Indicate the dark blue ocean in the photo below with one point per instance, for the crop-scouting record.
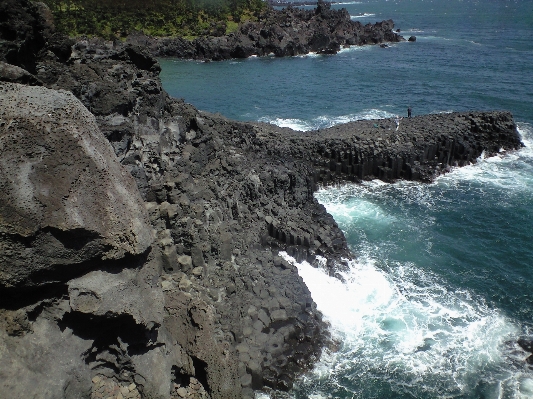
(442, 283)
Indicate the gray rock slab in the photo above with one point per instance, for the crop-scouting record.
(64, 197)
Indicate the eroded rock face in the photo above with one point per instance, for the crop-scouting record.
(65, 200)
(69, 209)
(286, 32)
(24, 29)
(107, 325)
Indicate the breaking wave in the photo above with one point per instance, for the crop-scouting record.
(326, 121)
(365, 15)
(405, 330)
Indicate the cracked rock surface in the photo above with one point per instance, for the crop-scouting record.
(65, 200)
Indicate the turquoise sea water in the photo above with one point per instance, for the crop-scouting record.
(443, 281)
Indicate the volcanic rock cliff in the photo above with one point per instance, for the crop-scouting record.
(286, 32)
(140, 237)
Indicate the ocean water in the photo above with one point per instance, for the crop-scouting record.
(441, 285)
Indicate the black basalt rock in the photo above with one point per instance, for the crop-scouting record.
(286, 32)
(526, 344)
(24, 30)
(15, 74)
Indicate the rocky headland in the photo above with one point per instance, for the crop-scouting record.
(287, 32)
(140, 237)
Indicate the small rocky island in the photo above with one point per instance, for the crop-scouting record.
(140, 237)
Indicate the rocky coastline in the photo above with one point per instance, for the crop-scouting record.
(140, 237)
(287, 32)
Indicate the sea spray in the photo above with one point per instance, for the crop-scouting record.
(402, 333)
(419, 314)
(325, 121)
(365, 15)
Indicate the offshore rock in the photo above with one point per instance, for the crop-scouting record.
(65, 201)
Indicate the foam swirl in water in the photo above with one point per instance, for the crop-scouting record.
(403, 324)
(404, 330)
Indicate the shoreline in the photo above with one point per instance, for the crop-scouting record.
(194, 297)
(286, 32)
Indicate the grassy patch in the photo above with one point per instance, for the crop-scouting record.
(231, 26)
(186, 18)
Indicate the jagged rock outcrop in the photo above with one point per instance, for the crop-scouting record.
(418, 149)
(80, 286)
(24, 30)
(287, 32)
(64, 199)
(209, 308)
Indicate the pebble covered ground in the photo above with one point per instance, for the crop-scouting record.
(109, 388)
(194, 390)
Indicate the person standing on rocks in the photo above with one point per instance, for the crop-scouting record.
(409, 112)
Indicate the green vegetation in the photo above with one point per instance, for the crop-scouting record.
(187, 18)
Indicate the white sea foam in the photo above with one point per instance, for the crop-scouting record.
(352, 49)
(432, 37)
(365, 15)
(326, 121)
(404, 323)
(447, 111)
(308, 55)
(405, 326)
(295, 124)
(512, 171)
(526, 134)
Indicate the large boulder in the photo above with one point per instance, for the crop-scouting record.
(66, 203)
